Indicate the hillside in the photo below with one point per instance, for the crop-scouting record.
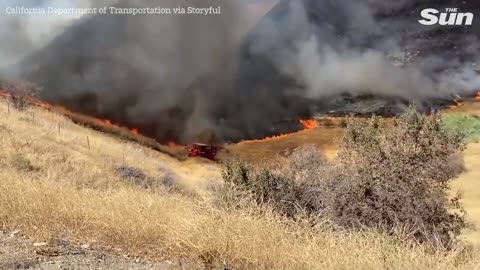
(56, 186)
(468, 185)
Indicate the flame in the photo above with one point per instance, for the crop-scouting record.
(74, 115)
(309, 123)
(173, 144)
(477, 97)
(274, 137)
(4, 94)
(457, 104)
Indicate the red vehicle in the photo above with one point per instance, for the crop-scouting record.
(202, 150)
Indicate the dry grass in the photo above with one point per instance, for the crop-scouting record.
(69, 153)
(73, 189)
(172, 227)
(323, 137)
(468, 184)
(469, 107)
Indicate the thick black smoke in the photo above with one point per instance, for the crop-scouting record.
(341, 53)
(162, 73)
(175, 76)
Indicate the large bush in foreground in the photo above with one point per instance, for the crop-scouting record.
(392, 176)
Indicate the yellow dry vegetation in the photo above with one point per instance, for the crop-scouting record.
(56, 183)
(469, 185)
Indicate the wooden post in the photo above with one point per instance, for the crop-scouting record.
(8, 106)
(58, 129)
(88, 142)
(33, 117)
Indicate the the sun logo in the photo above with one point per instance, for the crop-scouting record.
(450, 17)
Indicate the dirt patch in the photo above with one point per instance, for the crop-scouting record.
(16, 252)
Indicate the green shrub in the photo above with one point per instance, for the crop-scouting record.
(466, 124)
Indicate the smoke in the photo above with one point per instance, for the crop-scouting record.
(370, 47)
(22, 34)
(162, 73)
(177, 76)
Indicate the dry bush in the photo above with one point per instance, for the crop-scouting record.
(169, 179)
(262, 185)
(166, 180)
(20, 162)
(21, 92)
(128, 172)
(393, 178)
(136, 177)
(399, 177)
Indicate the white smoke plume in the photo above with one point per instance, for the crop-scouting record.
(331, 53)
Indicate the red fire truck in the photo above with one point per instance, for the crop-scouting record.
(202, 150)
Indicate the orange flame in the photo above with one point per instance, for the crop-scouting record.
(4, 94)
(309, 123)
(274, 137)
(68, 113)
(457, 104)
(172, 144)
(477, 97)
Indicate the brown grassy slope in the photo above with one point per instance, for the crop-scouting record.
(323, 136)
(469, 184)
(83, 156)
(471, 107)
(53, 184)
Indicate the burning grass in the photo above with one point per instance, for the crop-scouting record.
(306, 124)
(309, 123)
(26, 98)
(21, 93)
